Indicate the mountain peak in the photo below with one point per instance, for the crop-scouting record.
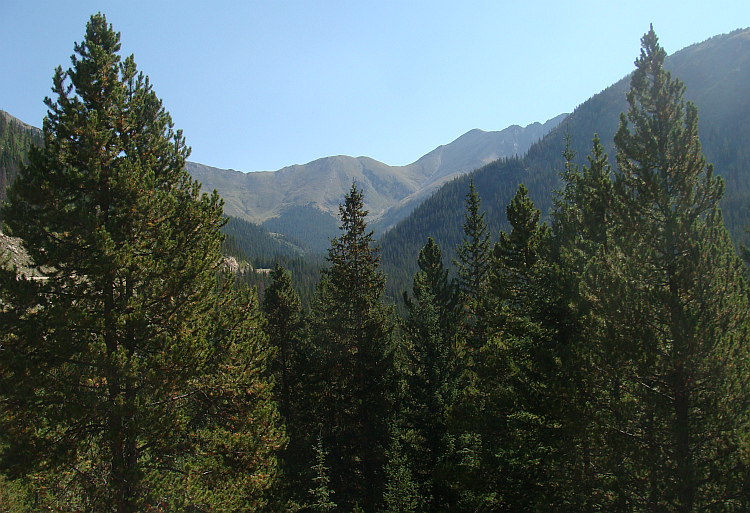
(391, 192)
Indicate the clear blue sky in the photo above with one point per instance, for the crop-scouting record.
(258, 85)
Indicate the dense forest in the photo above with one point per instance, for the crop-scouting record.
(716, 73)
(594, 358)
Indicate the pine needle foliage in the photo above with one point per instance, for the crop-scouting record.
(126, 366)
(669, 291)
(351, 330)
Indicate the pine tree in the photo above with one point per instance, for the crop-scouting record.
(109, 363)
(516, 254)
(235, 431)
(351, 330)
(669, 292)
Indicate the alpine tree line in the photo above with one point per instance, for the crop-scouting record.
(594, 362)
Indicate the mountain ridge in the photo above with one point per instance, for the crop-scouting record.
(716, 74)
(391, 192)
(301, 201)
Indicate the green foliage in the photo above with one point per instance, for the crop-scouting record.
(257, 243)
(661, 302)
(14, 496)
(442, 216)
(432, 284)
(516, 254)
(427, 369)
(321, 493)
(474, 251)
(717, 75)
(401, 492)
(351, 330)
(307, 224)
(283, 313)
(15, 141)
(473, 267)
(600, 365)
(673, 258)
(126, 367)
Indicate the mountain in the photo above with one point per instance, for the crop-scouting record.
(717, 78)
(302, 201)
(243, 238)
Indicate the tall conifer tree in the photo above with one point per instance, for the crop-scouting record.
(670, 291)
(582, 221)
(517, 252)
(429, 373)
(351, 329)
(473, 266)
(124, 361)
(283, 312)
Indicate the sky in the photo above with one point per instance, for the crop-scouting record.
(259, 85)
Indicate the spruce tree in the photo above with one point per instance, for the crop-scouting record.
(123, 360)
(516, 254)
(433, 277)
(351, 333)
(511, 408)
(582, 222)
(473, 265)
(288, 367)
(283, 313)
(429, 374)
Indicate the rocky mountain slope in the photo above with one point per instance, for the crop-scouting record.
(391, 192)
(301, 201)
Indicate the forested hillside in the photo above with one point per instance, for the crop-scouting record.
(588, 356)
(242, 239)
(301, 201)
(717, 78)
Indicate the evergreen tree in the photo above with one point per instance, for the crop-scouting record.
(516, 254)
(283, 312)
(509, 407)
(285, 329)
(235, 434)
(320, 492)
(351, 329)
(670, 294)
(429, 374)
(433, 278)
(474, 254)
(124, 362)
(582, 221)
(401, 494)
